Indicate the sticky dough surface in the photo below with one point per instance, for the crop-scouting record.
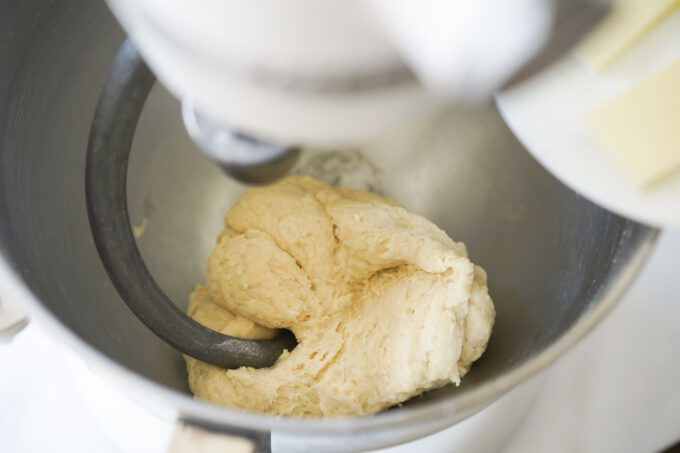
(383, 303)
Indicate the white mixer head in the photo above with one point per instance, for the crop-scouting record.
(329, 73)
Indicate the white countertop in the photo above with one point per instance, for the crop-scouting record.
(616, 391)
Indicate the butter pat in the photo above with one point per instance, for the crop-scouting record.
(641, 128)
(626, 23)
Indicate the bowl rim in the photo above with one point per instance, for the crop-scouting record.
(183, 406)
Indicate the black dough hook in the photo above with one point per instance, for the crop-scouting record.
(118, 109)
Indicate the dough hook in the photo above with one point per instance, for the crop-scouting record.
(118, 109)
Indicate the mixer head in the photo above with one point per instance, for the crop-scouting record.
(259, 79)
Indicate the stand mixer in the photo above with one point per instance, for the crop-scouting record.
(258, 80)
(560, 262)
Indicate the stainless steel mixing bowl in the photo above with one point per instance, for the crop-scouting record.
(556, 263)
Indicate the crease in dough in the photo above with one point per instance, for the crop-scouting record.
(384, 304)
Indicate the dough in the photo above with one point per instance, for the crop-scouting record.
(384, 304)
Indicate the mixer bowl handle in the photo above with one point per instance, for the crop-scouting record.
(12, 321)
(190, 436)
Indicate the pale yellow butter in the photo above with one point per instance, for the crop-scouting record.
(640, 129)
(626, 23)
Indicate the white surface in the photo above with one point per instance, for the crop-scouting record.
(615, 392)
(547, 113)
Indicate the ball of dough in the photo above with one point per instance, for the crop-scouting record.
(384, 304)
